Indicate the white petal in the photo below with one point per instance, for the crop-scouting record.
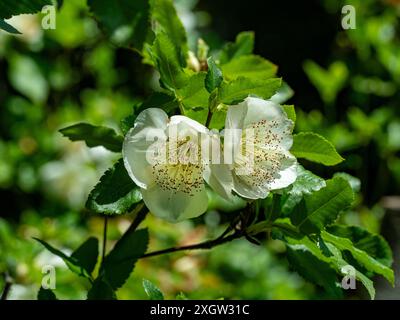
(190, 122)
(267, 116)
(219, 178)
(286, 176)
(245, 190)
(149, 127)
(175, 206)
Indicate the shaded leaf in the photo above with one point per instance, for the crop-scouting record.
(94, 136)
(120, 262)
(116, 193)
(87, 254)
(46, 294)
(101, 290)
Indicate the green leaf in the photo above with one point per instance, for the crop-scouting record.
(8, 27)
(214, 76)
(133, 16)
(116, 193)
(193, 94)
(120, 262)
(94, 136)
(373, 244)
(46, 294)
(168, 61)
(237, 90)
(101, 290)
(290, 112)
(87, 254)
(249, 66)
(361, 256)
(72, 263)
(335, 260)
(152, 291)
(322, 207)
(306, 183)
(166, 20)
(243, 45)
(314, 270)
(313, 147)
(354, 182)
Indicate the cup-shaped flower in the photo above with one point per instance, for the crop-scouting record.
(258, 137)
(169, 158)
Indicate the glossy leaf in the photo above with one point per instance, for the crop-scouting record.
(313, 147)
(321, 208)
(244, 44)
(305, 184)
(87, 254)
(116, 193)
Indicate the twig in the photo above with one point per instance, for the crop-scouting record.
(103, 254)
(203, 245)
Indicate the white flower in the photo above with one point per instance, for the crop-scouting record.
(260, 150)
(168, 159)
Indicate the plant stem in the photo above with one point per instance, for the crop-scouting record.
(104, 239)
(209, 117)
(203, 245)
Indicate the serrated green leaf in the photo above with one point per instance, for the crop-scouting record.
(120, 262)
(314, 270)
(306, 183)
(116, 193)
(46, 294)
(237, 90)
(243, 45)
(101, 290)
(166, 20)
(335, 259)
(87, 254)
(214, 76)
(72, 263)
(249, 66)
(94, 136)
(168, 61)
(321, 208)
(193, 94)
(373, 244)
(354, 182)
(361, 256)
(313, 147)
(133, 15)
(152, 291)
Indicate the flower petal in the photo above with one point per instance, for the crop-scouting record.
(149, 126)
(175, 206)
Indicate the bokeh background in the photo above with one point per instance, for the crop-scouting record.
(346, 87)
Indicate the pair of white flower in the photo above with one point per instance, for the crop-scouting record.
(176, 190)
